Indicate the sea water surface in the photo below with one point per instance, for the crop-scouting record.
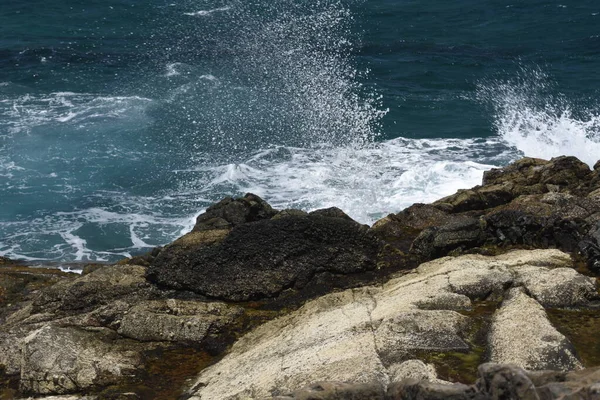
(121, 120)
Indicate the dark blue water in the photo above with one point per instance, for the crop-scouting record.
(120, 120)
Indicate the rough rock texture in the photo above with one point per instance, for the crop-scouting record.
(531, 203)
(522, 335)
(61, 360)
(91, 331)
(177, 321)
(496, 382)
(364, 335)
(261, 258)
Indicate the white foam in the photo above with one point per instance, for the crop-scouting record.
(172, 70)
(23, 113)
(540, 124)
(206, 13)
(366, 182)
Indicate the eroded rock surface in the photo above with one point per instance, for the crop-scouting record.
(253, 258)
(532, 203)
(363, 335)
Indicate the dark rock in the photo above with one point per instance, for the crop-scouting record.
(461, 233)
(478, 198)
(590, 248)
(532, 176)
(231, 212)
(413, 389)
(261, 259)
(97, 288)
(5, 261)
(332, 212)
(337, 391)
(505, 382)
(597, 165)
(401, 229)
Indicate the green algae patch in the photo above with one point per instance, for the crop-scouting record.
(462, 366)
(581, 327)
(167, 374)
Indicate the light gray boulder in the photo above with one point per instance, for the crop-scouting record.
(364, 335)
(61, 360)
(521, 334)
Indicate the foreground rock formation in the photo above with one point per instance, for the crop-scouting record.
(369, 334)
(260, 303)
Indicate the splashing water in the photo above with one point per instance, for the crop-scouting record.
(539, 124)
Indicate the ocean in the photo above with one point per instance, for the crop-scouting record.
(122, 120)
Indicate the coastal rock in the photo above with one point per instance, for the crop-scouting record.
(532, 175)
(262, 258)
(59, 360)
(459, 233)
(365, 335)
(336, 391)
(522, 335)
(177, 320)
(557, 287)
(94, 289)
(230, 212)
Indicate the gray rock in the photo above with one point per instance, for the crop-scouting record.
(522, 335)
(505, 382)
(365, 335)
(60, 360)
(337, 391)
(177, 321)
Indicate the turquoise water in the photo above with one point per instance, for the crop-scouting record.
(121, 120)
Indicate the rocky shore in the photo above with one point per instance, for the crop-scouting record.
(491, 293)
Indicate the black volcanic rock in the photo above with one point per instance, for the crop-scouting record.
(260, 258)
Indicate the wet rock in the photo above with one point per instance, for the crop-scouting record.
(590, 248)
(522, 335)
(478, 198)
(261, 259)
(531, 175)
(230, 212)
(399, 230)
(461, 233)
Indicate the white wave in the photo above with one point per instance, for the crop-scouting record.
(172, 70)
(209, 77)
(540, 124)
(367, 183)
(206, 13)
(26, 112)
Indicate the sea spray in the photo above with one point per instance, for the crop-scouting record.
(530, 116)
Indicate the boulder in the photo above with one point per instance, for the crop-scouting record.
(230, 212)
(60, 360)
(261, 259)
(97, 288)
(460, 233)
(367, 335)
(178, 320)
(522, 335)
